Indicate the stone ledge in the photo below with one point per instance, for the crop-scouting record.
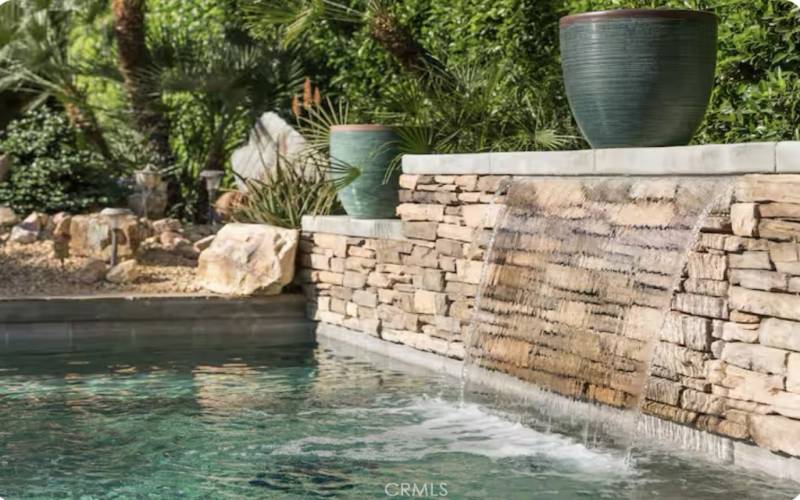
(387, 229)
(712, 159)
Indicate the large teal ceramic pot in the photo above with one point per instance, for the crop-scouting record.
(639, 77)
(370, 149)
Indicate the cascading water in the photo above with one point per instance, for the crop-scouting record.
(579, 276)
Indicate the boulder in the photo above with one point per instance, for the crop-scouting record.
(23, 236)
(248, 259)
(204, 243)
(90, 236)
(7, 217)
(124, 272)
(92, 272)
(163, 225)
(171, 240)
(270, 137)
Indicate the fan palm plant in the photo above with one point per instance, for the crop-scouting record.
(34, 59)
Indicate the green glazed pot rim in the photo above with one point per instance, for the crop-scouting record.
(602, 15)
(360, 127)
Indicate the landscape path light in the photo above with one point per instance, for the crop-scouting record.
(148, 179)
(115, 217)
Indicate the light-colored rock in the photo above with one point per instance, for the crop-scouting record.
(453, 232)
(420, 212)
(7, 217)
(247, 259)
(680, 359)
(755, 357)
(334, 242)
(758, 279)
(124, 272)
(701, 305)
(420, 230)
(427, 302)
(745, 385)
(707, 266)
(691, 331)
(786, 403)
(736, 332)
(164, 225)
(661, 189)
(90, 236)
(744, 219)
(768, 188)
(270, 139)
(23, 236)
(203, 243)
(92, 272)
(781, 230)
(793, 373)
(779, 210)
(702, 403)
(778, 333)
(784, 252)
(749, 260)
(642, 214)
(482, 216)
(781, 305)
(172, 241)
(776, 433)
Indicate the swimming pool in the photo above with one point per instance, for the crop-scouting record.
(245, 421)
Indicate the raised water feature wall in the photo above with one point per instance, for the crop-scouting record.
(715, 347)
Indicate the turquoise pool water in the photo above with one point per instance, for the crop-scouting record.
(302, 422)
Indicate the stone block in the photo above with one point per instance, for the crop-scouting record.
(744, 219)
(354, 279)
(467, 182)
(642, 214)
(701, 305)
(736, 332)
(780, 305)
(469, 271)
(329, 277)
(779, 210)
(776, 229)
(422, 257)
(483, 216)
(784, 252)
(447, 324)
(408, 181)
(335, 242)
(427, 302)
(453, 232)
(680, 359)
(768, 188)
(757, 279)
(707, 266)
(492, 183)
(702, 403)
(365, 298)
(420, 230)
(706, 287)
(745, 385)
(776, 433)
(749, 260)
(664, 391)
(432, 279)
(451, 248)
(755, 357)
(661, 189)
(786, 403)
(743, 317)
(420, 212)
(779, 333)
(90, 236)
(793, 373)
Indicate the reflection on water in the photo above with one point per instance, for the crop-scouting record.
(247, 422)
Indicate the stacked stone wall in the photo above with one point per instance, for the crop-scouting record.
(726, 360)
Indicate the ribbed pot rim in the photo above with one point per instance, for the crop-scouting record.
(602, 15)
(360, 127)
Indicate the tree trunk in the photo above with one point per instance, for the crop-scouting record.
(136, 66)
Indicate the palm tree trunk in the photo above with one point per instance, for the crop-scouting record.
(136, 66)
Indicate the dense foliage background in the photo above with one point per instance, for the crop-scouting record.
(212, 66)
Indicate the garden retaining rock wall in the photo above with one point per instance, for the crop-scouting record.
(726, 360)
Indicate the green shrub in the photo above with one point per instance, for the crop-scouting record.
(51, 171)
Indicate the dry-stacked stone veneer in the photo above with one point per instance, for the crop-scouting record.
(726, 353)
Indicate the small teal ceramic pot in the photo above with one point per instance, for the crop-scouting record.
(639, 77)
(371, 149)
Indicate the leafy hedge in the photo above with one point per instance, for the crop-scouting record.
(51, 172)
(757, 93)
